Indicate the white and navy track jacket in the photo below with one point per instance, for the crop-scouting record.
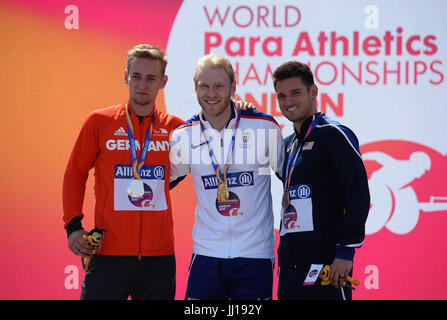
(242, 226)
(329, 196)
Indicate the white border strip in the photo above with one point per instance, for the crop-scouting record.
(341, 131)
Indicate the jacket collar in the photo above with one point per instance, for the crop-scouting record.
(305, 126)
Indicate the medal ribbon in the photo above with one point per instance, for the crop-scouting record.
(138, 164)
(222, 177)
(290, 168)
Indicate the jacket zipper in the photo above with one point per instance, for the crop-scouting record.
(142, 134)
(230, 236)
(229, 220)
(141, 235)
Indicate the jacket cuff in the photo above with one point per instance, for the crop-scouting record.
(344, 252)
(73, 225)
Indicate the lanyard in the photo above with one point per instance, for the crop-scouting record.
(222, 177)
(138, 164)
(291, 166)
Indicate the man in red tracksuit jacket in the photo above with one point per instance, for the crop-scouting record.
(128, 146)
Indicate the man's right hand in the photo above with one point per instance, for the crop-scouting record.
(78, 246)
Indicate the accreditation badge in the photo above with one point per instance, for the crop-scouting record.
(298, 215)
(128, 195)
(312, 275)
(230, 205)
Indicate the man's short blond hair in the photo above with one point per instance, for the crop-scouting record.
(215, 61)
(147, 51)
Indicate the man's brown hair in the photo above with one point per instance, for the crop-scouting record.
(294, 69)
(147, 51)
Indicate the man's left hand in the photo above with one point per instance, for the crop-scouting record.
(340, 269)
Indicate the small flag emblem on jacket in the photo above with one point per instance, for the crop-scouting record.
(308, 145)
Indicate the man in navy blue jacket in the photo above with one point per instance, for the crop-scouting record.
(326, 197)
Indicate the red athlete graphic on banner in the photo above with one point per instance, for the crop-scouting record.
(402, 180)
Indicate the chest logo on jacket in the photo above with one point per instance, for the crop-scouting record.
(124, 145)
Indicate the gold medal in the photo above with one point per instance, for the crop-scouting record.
(285, 199)
(222, 192)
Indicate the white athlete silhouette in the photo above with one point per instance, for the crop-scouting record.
(394, 202)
